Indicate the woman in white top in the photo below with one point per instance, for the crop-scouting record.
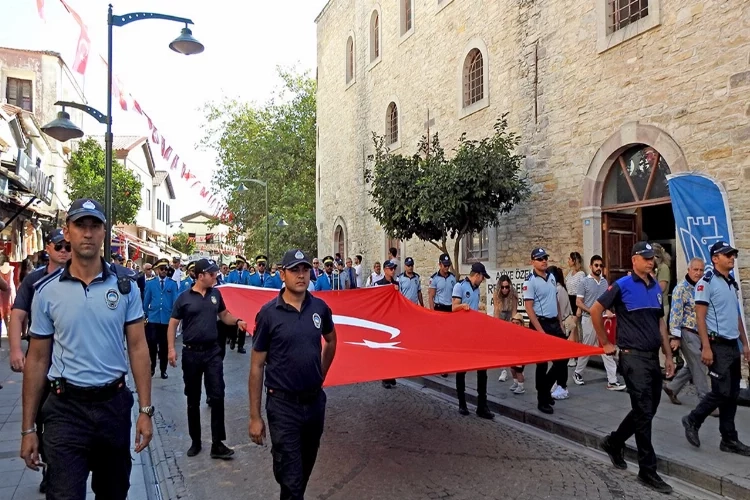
(377, 274)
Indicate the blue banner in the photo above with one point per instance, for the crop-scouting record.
(701, 214)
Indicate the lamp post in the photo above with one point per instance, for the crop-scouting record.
(241, 188)
(63, 129)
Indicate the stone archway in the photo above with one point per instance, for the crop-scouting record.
(340, 235)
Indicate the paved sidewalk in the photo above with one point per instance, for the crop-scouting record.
(592, 412)
(16, 481)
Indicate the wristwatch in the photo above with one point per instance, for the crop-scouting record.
(147, 410)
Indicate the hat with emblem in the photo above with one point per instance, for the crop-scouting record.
(327, 259)
(409, 261)
(445, 259)
(232, 266)
(240, 258)
(55, 236)
(293, 258)
(161, 262)
(389, 264)
(261, 259)
(176, 258)
(722, 247)
(190, 266)
(205, 266)
(117, 257)
(644, 249)
(479, 268)
(86, 207)
(539, 253)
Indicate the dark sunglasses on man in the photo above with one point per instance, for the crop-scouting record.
(62, 244)
(542, 259)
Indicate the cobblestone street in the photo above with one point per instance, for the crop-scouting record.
(390, 444)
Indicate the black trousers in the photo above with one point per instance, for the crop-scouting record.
(225, 332)
(546, 376)
(481, 388)
(725, 374)
(295, 430)
(156, 337)
(642, 375)
(82, 437)
(207, 367)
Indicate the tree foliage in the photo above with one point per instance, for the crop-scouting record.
(85, 179)
(437, 198)
(274, 143)
(182, 242)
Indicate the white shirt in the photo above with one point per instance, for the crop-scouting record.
(177, 276)
(358, 272)
(375, 277)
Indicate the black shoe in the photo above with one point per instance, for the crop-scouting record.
(485, 413)
(164, 375)
(444, 375)
(653, 481)
(463, 410)
(386, 384)
(545, 408)
(241, 350)
(735, 446)
(194, 449)
(220, 450)
(616, 454)
(672, 396)
(232, 343)
(691, 431)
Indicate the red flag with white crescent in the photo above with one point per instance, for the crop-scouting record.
(382, 335)
(82, 53)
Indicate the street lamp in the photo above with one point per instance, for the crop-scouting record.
(63, 129)
(242, 188)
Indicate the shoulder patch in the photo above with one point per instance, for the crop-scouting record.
(707, 277)
(48, 279)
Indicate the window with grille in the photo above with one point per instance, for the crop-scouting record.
(18, 93)
(407, 16)
(392, 124)
(473, 78)
(477, 247)
(349, 59)
(621, 13)
(374, 36)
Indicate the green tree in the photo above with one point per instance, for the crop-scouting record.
(274, 143)
(85, 179)
(182, 242)
(438, 199)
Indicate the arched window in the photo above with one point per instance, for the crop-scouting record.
(349, 59)
(473, 78)
(638, 177)
(374, 36)
(391, 124)
(339, 241)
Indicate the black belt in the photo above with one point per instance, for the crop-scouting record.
(443, 308)
(641, 353)
(305, 397)
(723, 341)
(62, 388)
(544, 319)
(200, 347)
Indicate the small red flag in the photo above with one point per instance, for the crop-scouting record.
(82, 53)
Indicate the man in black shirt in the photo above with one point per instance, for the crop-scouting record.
(287, 344)
(197, 308)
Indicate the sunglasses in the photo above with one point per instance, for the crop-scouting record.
(542, 259)
(62, 244)
(504, 288)
(597, 266)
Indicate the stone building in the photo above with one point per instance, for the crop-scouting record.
(604, 93)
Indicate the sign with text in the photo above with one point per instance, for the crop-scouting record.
(517, 276)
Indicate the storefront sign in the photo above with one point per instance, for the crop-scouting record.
(517, 276)
(33, 179)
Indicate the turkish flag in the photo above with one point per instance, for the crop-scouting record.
(382, 335)
(82, 53)
(40, 8)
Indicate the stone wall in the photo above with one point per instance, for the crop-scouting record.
(686, 75)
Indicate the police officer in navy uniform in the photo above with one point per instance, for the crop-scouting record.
(201, 355)
(287, 344)
(466, 297)
(409, 283)
(636, 299)
(158, 301)
(87, 416)
(540, 300)
(389, 278)
(717, 311)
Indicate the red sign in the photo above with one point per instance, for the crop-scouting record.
(383, 335)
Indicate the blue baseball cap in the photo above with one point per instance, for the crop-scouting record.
(55, 236)
(86, 207)
(722, 247)
(409, 261)
(389, 264)
(538, 253)
(644, 249)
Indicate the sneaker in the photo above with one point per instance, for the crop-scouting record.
(503, 376)
(616, 386)
(616, 454)
(735, 446)
(653, 481)
(553, 388)
(519, 390)
(220, 450)
(194, 449)
(578, 379)
(514, 386)
(691, 431)
(572, 362)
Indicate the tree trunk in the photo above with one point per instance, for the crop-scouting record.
(456, 246)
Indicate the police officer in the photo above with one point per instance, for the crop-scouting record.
(189, 280)
(159, 298)
(717, 310)
(440, 294)
(238, 275)
(540, 301)
(201, 356)
(409, 283)
(287, 344)
(327, 280)
(87, 417)
(466, 297)
(59, 253)
(389, 278)
(261, 276)
(636, 299)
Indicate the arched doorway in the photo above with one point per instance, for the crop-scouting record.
(339, 241)
(636, 206)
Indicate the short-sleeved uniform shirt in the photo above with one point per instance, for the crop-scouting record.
(25, 293)
(198, 314)
(291, 340)
(86, 324)
(590, 289)
(443, 286)
(720, 294)
(409, 287)
(468, 293)
(638, 306)
(543, 291)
